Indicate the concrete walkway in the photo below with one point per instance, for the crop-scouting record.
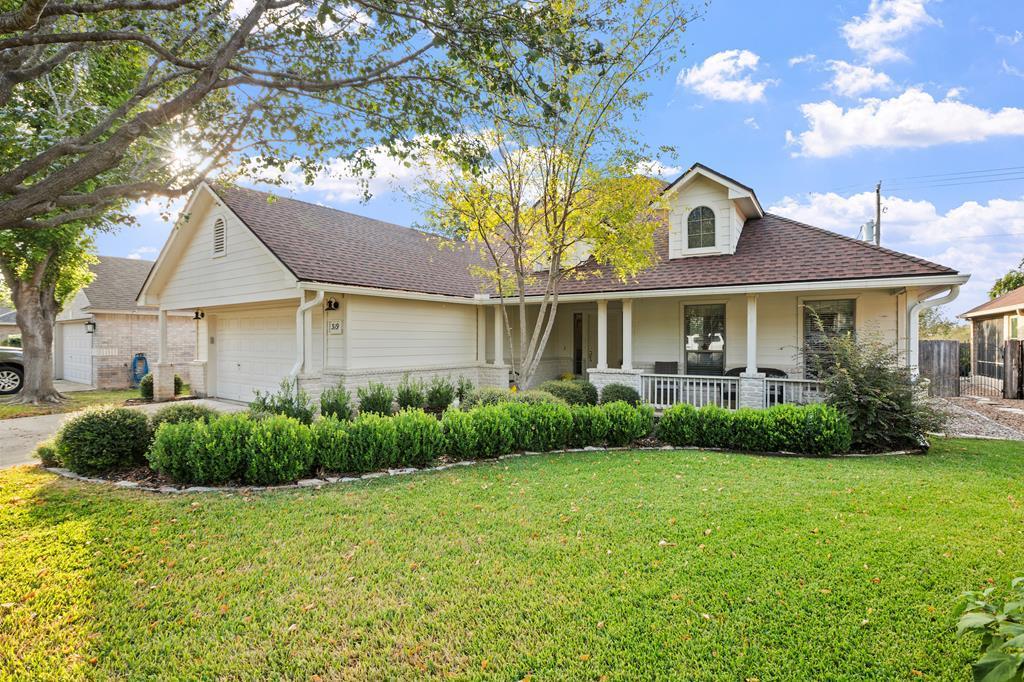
(19, 437)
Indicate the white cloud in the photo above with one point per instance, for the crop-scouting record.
(657, 169)
(1013, 39)
(752, 122)
(853, 80)
(1012, 70)
(726, 76)
(970, 237)
(143, 252)
(954, 93)
(802, 59)
(913, 119)
(886, 22)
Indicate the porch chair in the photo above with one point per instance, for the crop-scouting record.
(661, 386)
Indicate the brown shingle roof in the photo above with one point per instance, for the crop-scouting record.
(321, 244)
(117, 282)
(1010, 298)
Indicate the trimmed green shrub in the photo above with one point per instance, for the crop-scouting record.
(172, 451)
(46, 453)
(280, 450)
(714, 427)
(574, 392)
(440, 394)
(459, 434)
(330, 444)
(753, 431)
(788, 425)
(589, 426)
(547, 427)
(627, 423)
(410, 393)
(494, 430)
(419, 438)
(371, 443)
(146, 386)
(679, 425)
(102, 439)
(826, 431)
(289, 401)
(463, 388)
(336, 401)
(616, 392)
(376, 398)
(494, 396)
(181, 412)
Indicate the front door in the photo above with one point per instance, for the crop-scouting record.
(584, 335)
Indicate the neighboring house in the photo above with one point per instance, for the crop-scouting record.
(291, 288)
(8, 324)
(992, 323)
(99, 332)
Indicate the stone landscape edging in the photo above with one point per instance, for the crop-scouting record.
(317, 483)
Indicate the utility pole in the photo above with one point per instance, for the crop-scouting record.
(878, 214)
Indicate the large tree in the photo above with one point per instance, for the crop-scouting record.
(104, 103)
(1014, 279)
(566, 196)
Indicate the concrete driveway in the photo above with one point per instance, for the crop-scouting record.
(19, 437)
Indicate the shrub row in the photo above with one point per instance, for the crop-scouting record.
(810, 429)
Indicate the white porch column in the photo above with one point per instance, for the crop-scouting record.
(163, 370)
(627, 334)
(499, 337)
(602, 334)
(751, 333)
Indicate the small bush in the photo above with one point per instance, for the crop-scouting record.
(548, 427)
(463, 388)
(826, 431)
(280, 450)
(102, 439)
(289, 401)
(440, 394)
(627, 423)
(410, 393)
(535, 397)
(46, 453)
(146, 386)
(589, 426)
(494, 430)
(573, 392)
(330, 444)
(172, 451)
(715, 427)
(371, 442)
(494, 396)
(181, 412)
(459, 434)
(1000, 624)
(679, 425)
(754, 431)
(616, 392)
(376, 398)
(419, 438)
(336, 402)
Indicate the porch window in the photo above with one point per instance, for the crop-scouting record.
(704, 327)
(700, 228)
(988, 348)
(825, 320)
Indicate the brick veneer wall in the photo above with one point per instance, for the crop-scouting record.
(120, 336)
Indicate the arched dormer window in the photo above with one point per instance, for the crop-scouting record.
(700, 228)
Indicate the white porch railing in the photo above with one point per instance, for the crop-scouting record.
(792, 392)
(665, 390)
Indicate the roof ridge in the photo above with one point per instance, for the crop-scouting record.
(868, 245)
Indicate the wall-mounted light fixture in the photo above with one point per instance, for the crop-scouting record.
(90, 327)
(198, 315)
(332, 304)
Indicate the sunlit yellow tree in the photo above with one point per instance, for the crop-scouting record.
(561, 194)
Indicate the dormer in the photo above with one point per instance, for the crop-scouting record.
(706, 213)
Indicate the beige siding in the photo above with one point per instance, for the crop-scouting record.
(245, 273)
(394, 333)
(702, 192)
(73, 310)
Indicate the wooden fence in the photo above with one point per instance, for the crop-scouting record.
(939, 362)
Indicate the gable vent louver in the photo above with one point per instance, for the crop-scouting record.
(219, 237)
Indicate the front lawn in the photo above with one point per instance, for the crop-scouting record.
(652, 564)
(76, 400)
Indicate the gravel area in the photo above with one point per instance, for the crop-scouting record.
(981, 417)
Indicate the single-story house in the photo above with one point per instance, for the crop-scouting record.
(100, 331)
(288, 288)
(8, 324)
(992, 324)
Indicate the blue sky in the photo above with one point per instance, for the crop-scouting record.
(811, 104)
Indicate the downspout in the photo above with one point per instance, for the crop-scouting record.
(300, 331)
(915, 323)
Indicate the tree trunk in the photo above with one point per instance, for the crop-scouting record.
(37, 313)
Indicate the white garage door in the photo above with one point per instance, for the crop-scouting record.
(76, 353)
(254, 351)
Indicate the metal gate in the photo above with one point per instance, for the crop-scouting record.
(939, 362)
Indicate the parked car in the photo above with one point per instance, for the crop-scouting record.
(12, 370)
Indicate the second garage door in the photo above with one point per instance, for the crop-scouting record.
(76, 353)
(254, 351)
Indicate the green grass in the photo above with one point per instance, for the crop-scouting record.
(77, 400)
(643, 565)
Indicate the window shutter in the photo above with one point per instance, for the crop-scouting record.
(219, 240)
